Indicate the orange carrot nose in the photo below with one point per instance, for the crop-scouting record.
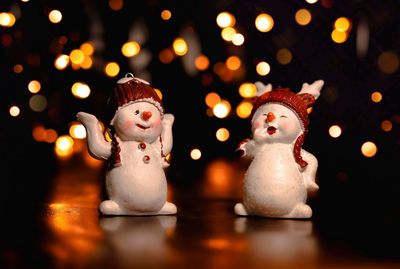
(146, 115)
(270, 116)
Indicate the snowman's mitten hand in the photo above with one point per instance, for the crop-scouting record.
(168, 120)
(241, 149)
(86, 118)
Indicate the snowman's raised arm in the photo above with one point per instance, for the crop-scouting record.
(98, 146)
(166, 134)
(247, 148)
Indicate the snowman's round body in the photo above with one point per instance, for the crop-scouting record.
(274, 185)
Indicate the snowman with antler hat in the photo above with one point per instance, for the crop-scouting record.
(281, 173)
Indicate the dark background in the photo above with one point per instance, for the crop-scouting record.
(361, 192)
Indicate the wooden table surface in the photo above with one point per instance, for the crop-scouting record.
(65, 230)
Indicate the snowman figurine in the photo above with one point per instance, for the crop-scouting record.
(141, 137)
(281, 173)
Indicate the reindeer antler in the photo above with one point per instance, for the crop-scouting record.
(314, 89)
(261, 88)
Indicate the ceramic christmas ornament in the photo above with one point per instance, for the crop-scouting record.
(141, 137)
(281, 173)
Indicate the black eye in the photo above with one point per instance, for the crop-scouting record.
(137, 112)
(283, 116)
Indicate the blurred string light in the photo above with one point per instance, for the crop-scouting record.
(264, 22)
(388, 62)
(335, 131)
(195, 154)
(222, 109)
(55, 16)
(201, 62)
(80, 90)
(40, 134)
(14, 111)
(311, 1)
(342, 27)
(130, 49)
(225, 19)
(386, 125)
(77, 56)
(112, 69)
(284, 56)
(376, 97)
(222, 134)
(303, 17)
(77, 131)
(362, 39)
(247, 90)
(369, 149)
(7, 19)
(212, 99)
(38, 103)
(64, 146)
(180, 47)
(166, 56)
(243, 110)
(263, 68)
(166, 14)
(34, 86)
(61, 62)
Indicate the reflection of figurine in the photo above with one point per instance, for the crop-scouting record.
(141, 138)
(281, 172)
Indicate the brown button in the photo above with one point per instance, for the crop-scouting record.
(146, 159)
(142, 146)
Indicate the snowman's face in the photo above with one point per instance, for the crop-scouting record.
(275, 123)
(139, 121)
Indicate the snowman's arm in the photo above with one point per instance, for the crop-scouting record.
(247, 148)
(310, 170)
(98, 146)
(166, 134)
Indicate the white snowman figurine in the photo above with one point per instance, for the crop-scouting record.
(141, 138)
(281, 173)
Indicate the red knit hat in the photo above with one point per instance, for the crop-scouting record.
(298, 103)
(131, 90)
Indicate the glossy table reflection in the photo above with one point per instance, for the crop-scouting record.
(67, 231)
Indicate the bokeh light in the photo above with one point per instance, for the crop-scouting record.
(376, 97)
(335, 131)
(51, 136)
(180, 46)
(76, 56)
(112, 69)
(87, 48)
(225, 19)
(166, 56)
(14, 111)
(212, 99)
(202, 62)
(39, 133)
(369, 149)
(38, 103)
(388, 62)
(311, 1)
(195, 154)
(7, 19)
(228, 33)
(303, 17)
(77, 131)
(222, 134)
(166, 14)
(338, 36)
(64, 146)
(116, 4)
(247, 90)
(55, 16)
(342, 24)
(237, 39)
(222, 109)
(243, 110)
(263, 68)
(233, 63)
(34, 86)
(61, 62)
(386, 125)
(130, 49)
(284, 56)
(18, 68)
(264, 22)
(80, 90)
